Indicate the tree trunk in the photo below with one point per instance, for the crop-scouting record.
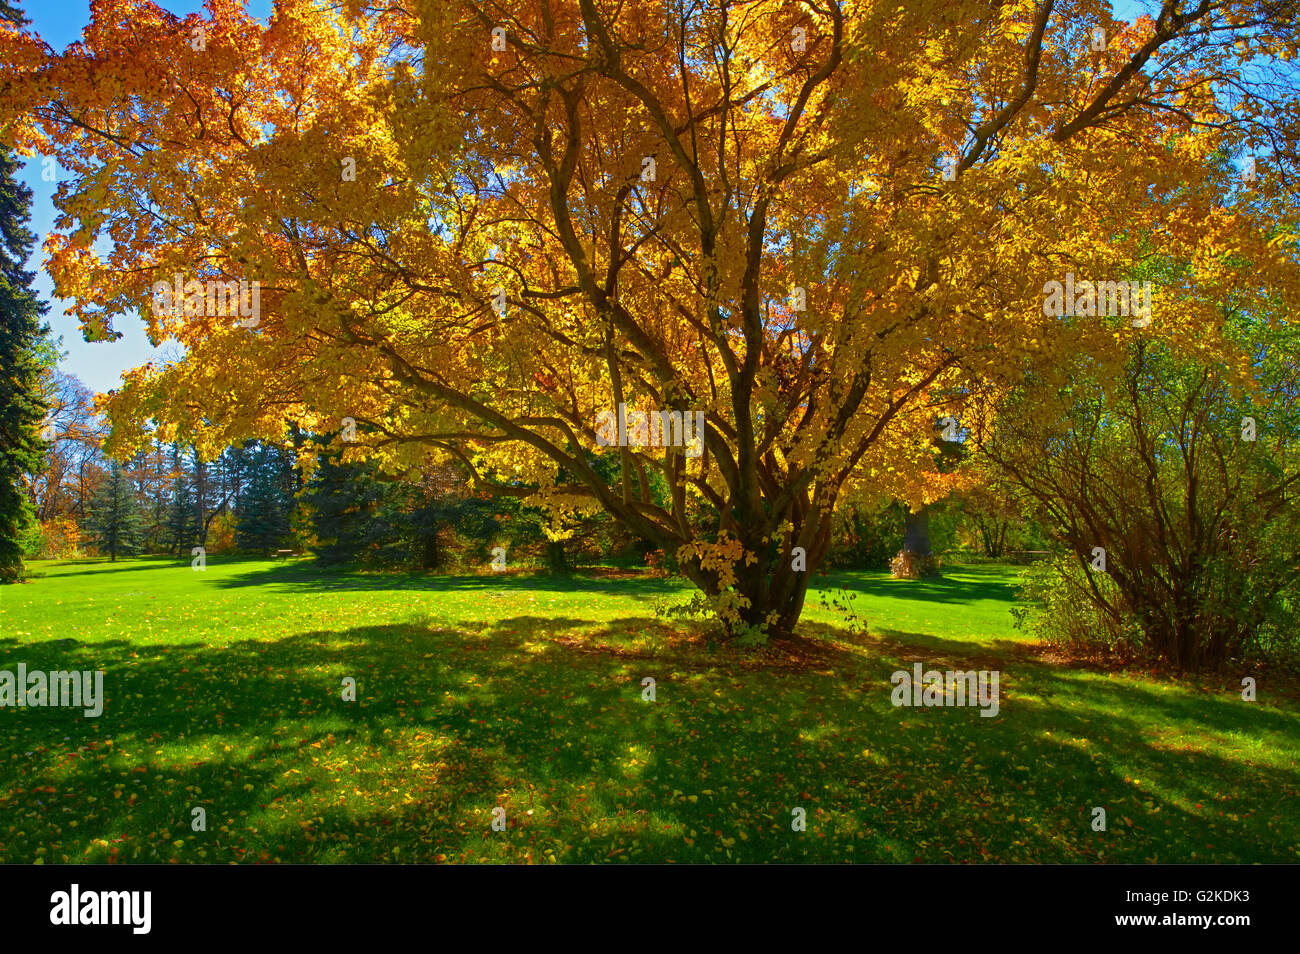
(773, 587)
(916, 532)
(200, 496)
(429, 550)
(556, 560)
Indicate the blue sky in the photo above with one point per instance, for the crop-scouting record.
(100, 364)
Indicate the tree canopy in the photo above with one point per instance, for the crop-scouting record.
(825, 225)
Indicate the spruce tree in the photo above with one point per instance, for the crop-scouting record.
(182, 530)
(21, 361)
(266, 503)
(115, 515)
(346, 503)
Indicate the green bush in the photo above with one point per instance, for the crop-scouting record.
(1197, 524)
(1055, 604)
(913, 566)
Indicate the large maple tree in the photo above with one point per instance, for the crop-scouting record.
(826, 225)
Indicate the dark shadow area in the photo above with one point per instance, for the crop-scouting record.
(309, 576)
(122, 566)
(938, 590)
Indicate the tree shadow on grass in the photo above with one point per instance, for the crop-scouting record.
(310, 577)
(105, 566)
(450, 723)
(940, 590)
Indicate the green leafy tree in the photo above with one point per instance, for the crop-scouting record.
(1172, 497)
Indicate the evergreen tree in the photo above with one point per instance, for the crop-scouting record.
(358, 515)
(266, 504)
(21, 364)
(157, 517)
(115, 515)
(349, 508)
(182, 517)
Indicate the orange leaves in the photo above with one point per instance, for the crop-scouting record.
(388, 176)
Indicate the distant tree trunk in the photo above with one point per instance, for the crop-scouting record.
(201, 496)
(81, 490)
(429, 555)
(916, 559)
(556, 559)
(916, 532)
(297, 441)
(993, 533)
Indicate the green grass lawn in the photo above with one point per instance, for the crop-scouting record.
(224, 691)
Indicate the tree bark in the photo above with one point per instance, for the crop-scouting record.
(556, 559)
(429, 550)
(916, 532)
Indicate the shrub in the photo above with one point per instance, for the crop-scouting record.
(654, 561)
(1200, 533)
(863, 537)
(913, 566)
(1056, 605)
(221, 534)
(59, 539)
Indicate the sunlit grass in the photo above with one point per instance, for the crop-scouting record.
(224, 691)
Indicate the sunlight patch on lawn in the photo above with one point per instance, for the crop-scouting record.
(637, 758)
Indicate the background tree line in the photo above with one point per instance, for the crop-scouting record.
(254, 499)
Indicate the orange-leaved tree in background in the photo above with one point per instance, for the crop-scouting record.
(478, 230)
